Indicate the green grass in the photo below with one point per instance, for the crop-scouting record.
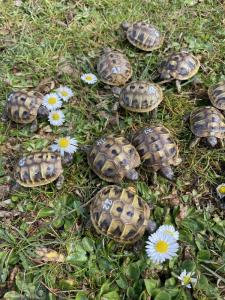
(38, 40)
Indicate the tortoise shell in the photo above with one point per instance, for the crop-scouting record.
(114, 68)
(111, 158)
(156, 147)
(217, 95)
(38, 169)
(22, 107)
(207, 121)
(141, 96)
(120, 214)
(181, 66)
(144, 36)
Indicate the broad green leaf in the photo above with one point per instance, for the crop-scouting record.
(13, 296)
(163, 296)
(204, 255)
(88, 244)
(189, 265)
(151, 284)
(45, 212)
(113, 295)
(133, 271)
(81, 296)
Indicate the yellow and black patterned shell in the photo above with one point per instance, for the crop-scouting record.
(22, 107)
(119, 214)
(38, 169)
(114, 68)
(181, 66)
(217, 95)
(156, 147)
(144, 36)
(111, 158)
(207, 121)
(141, 96)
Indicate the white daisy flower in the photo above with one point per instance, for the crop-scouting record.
(56, 117)
(169, 229)
(52, 101)
(186, 279)
(161, 246)
(64, 92)
(65, 144)
(221, 190)
(89, 78)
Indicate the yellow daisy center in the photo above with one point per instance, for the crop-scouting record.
(64, 93)
(64, 143)
(162, 247)
(222, 189)
(186, 279)
(52, 100)
(55, 117)
(89, 78)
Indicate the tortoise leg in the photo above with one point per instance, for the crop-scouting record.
(195, 142)
(221, 141)
(67, 159)
(178, 85)
(167, 172)
(153, 113)
(132, 175)
(59, 183)
(15, 187)
(34, 126)
(4, 116)
(151, 226)
(154, 177)
(186, 117)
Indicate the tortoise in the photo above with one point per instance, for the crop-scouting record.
(114, 68)
(120, 214)
(157, 150)
(143, 35)
(24, 107)
(217, 95)
(207, 122)
(113, 158)
(41, 168)
(179, 66)
(139, 96)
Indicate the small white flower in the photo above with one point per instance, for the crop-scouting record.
(64, 92)
(56, 117)
(52, 101)
(89, 78)
(169, 229)
(65, 144)
(161, 247)
(186, 278)
(221, 190)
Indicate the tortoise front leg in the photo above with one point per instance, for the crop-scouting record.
(153, 113)
(178, 85)
(59, 183)
(4, 116)
(195, 142)
(221, 141)
(34, 126)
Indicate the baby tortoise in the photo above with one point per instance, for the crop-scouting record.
(113, 158)
(207, 122)
(179, 66)
(217, 95)
(24, 107)
(114, 68)
(139, 96)
(41, 168)
(157, 150)
(143, 35)
(120, 214)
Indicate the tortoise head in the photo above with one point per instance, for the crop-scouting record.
(125, 25)
(212, 140)
(132, 175)
(167, 172)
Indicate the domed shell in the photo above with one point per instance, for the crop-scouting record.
(181, 66)
(112, 158)
(114, 68)
(144, 36)
(22, 107)
(156, 147)
(207, 121)
(141, 96)
(217, 95)
(38, 169)
(120, 214)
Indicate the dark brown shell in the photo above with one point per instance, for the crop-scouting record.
(119, 214)
(207, 121)
(181, 66)
(114, 68)
(156, 147)
(23, 107)
(38, 169)
(141, 96)
(217, 95)
(112, 157)
(144, 36)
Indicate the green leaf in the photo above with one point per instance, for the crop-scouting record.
(203, 255)
(170, 282)
(88, 244)
(122, 282)
(133, 271)
(104, 288)
(202, 283)
(163, 296)
(45, 212)
(131, 293)
(81, 296)
(113, 295)
(13, 296)
(189, 265)
(78, 256)
(151, 284)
